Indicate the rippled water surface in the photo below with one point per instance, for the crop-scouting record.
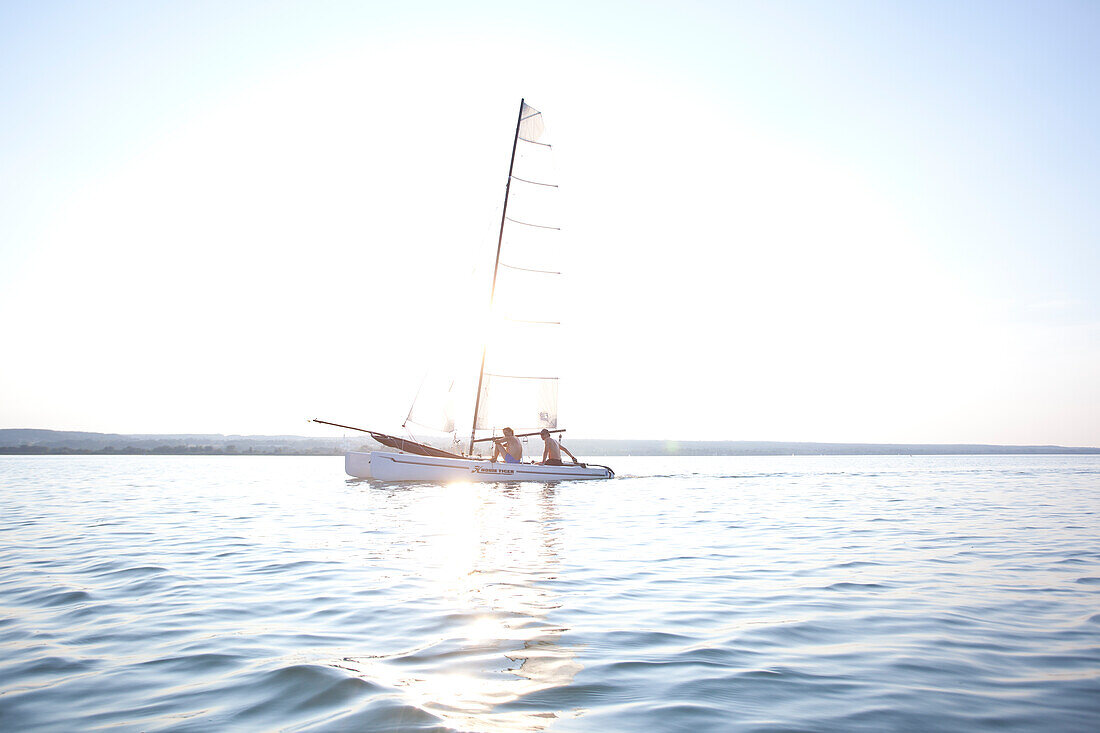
(256, 593)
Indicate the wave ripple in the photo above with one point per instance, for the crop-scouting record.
(744, 594)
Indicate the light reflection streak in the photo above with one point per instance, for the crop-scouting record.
(487, 552)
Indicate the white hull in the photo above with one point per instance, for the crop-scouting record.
(386, 466)
(357, 465)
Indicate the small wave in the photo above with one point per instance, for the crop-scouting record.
(193, 663)
(286, 693)
(54, 597)
(644, 639)
(848, 585)
(573, 695)
(140, 571)
(282, 567)
(381, 714)
(49, 666)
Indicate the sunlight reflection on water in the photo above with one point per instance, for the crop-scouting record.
(472, 533)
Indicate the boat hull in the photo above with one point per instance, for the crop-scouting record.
(386, 466)
(357, 464)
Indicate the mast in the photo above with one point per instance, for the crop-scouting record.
(496, 266)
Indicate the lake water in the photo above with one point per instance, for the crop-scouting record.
(268, 593)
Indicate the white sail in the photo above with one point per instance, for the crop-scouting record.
(531, 125)
(519, 402)
(519, 386)
(434, 404)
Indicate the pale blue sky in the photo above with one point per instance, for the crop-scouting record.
(820, 221)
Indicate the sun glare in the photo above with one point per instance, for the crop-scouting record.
(487, 554)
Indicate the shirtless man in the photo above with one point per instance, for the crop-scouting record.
(551, 451)
(508, 447)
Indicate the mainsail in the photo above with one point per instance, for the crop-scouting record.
(518, 384)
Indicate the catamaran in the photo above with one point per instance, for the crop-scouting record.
(514, 388)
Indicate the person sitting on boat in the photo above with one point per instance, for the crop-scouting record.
(508, 447)
(551, 450)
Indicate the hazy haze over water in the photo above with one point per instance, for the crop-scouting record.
(838, 593)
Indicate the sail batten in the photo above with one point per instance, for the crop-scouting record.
(534, 183)
(529, 224)
(530, 269)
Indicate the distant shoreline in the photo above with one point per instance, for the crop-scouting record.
(204, 450)
(582, 453)
(36, 442)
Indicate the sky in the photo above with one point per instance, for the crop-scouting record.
(843, 222)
